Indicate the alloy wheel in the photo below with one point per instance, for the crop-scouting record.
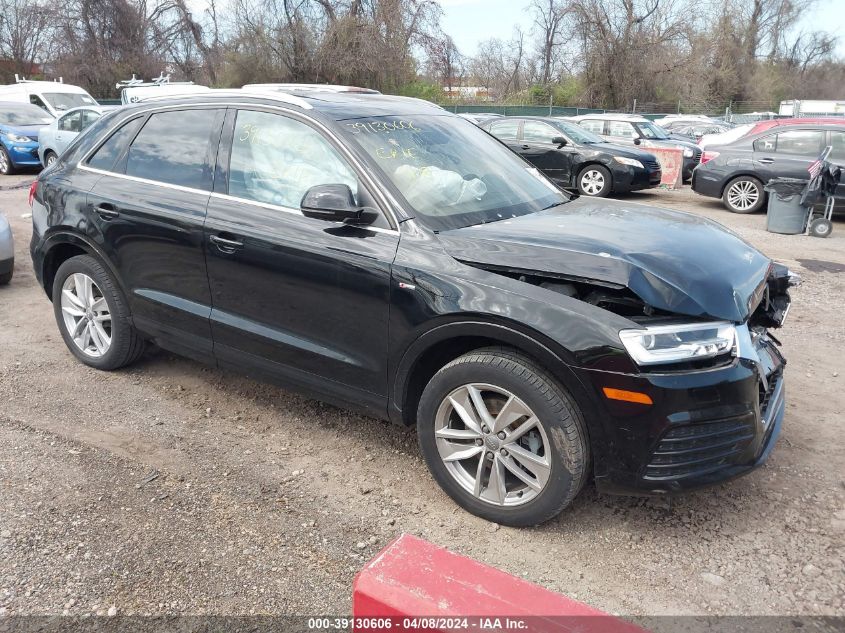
(51, 158)
(86, 315)
(743, 195)
(493, 444)
(592, 182)
(4, 162)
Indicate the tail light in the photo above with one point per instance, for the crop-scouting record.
(706, 156)
(32, 192)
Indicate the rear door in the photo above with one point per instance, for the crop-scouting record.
(67, 128)
(787, 153)
(148, 210)
(538, 148)
(507, 131)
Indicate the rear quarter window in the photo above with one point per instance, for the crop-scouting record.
(107, 154)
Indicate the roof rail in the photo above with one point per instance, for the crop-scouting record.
(161, 80)
(24, 80)
(237, 92)
(311, 88)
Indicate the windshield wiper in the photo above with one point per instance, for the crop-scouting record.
(556, 204)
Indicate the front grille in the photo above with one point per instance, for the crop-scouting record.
(696, 156)
(652, 165)
(697, 449)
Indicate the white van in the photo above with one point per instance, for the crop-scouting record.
(135, 90)
(53, 96)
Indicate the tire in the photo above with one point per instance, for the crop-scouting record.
(744, 195)
(50, 157)
(6, 278)
(559, 440)
(821, 227)
(125, 344)
(594, 181)
(7, 167)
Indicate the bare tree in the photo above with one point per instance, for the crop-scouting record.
(26, 28)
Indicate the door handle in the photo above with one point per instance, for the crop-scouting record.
(106, 211)
(526, 147)
(225, 244)
(767, 161)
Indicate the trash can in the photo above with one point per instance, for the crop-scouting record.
(785, 212)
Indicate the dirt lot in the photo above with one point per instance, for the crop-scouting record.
(266, 502)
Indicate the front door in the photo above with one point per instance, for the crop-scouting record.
(301, 299)
(538, 149)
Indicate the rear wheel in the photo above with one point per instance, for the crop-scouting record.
(744, 195)
(93, 316)
(502, 437)
(594, 181)
(6, 166)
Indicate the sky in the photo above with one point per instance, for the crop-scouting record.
(472, 21)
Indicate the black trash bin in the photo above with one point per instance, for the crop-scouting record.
(785, 213)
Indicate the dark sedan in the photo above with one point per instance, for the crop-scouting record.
(575, 158)
(737, 172)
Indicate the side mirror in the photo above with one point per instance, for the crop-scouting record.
(335, 203)
(637, 140)
(559, 141)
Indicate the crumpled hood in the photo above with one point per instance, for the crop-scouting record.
(673, 261)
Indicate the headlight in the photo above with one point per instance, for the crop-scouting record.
(628, 161)
(14, 138)
(674, 343)
(688, 153)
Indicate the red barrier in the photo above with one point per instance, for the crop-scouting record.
(671, 164)
(418, 585)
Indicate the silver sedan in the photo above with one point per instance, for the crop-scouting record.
(7, 252)
(53, 139)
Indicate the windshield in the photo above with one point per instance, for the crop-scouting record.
(577, 133)
(68, 100)
(650, 130)
(451, 172)
(24, 114)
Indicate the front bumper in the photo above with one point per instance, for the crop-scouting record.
(627, 178)
(23, 154)
(704, 426)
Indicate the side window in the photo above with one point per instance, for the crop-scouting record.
(620, 129)
(837, 142)
(71, 122)
(766, 144)
(88, 117)
(105, 157)
(172, 147)
(507, 129)
(538, 132)
(276, 159)
(592, 125)
(800, 142)
(36, 100)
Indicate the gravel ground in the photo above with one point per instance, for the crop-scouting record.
(170, 487)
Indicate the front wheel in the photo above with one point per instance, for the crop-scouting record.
(594, 181)
(7, 167)
(503, 438)
(744, 195)
(50, 158)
